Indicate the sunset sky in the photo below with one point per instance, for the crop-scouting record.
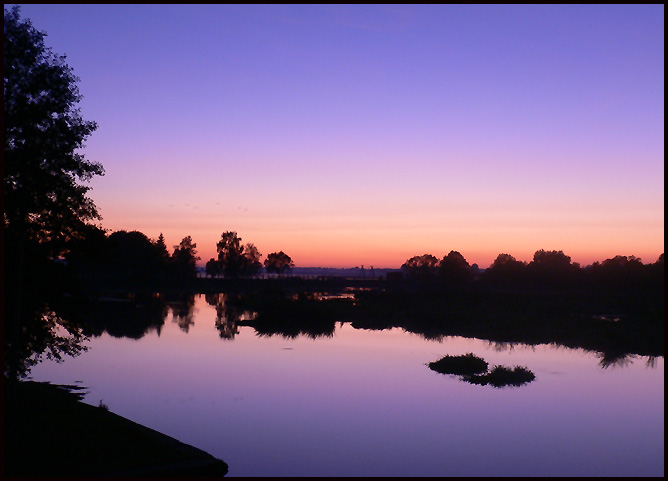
(365, 135)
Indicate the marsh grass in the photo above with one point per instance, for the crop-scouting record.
(465, 365)
(502, 376)
(473, 369)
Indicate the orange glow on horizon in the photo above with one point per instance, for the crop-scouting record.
(390, 248)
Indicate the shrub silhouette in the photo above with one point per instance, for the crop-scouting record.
(466, 365)
(473, 369)
(502, 376)
(455, 270)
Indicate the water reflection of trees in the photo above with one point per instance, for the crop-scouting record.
(508, 319)
(229, 313)
(504, 323)
(57, 326)
(183, 310)
(130, 315)
(46, 332)
(293, 314)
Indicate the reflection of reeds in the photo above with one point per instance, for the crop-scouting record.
(502, 376)
(291, 328)
(615, 359)
(651, 362)
(466, 365)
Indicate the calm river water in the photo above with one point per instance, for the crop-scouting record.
(364, 403)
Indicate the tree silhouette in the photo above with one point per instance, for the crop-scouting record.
(551, 260)
(506, 270)
(251, 265)
(454, 269)
(423, 267)
(230, 254)
(231, 258)
(161, 246)
(185, 259)
(623, 262)
(212, 267)
(657, 271)
(45, 204)
(552, 268)
(278, 262)
(506, 261)
(132, 257)
(126, 259)
(88, 255)
(44, 200)
(619, 273)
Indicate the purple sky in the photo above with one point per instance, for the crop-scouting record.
(348, 135)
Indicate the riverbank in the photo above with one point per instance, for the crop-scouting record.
(49, 431)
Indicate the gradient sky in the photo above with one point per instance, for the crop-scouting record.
(350, 135)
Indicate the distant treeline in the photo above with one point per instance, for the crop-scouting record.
(547, 270)
(133, 259)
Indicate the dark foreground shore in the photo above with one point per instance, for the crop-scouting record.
(50, 432)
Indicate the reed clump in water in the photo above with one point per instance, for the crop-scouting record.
(473, 369)
(502, 376)
(465, 365)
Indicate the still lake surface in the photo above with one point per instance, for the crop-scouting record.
(364, 403)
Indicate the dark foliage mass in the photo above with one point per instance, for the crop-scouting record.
(279, 263)
(466, 365)
(234, 258)
(45, 197)
(131, 259)
(501, 376)
(473, 369)
(421, 267)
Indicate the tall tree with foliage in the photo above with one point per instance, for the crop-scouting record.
(421, 267)
(161, 246)
(185, 259)
(506, 271)
(45, 203)
(553, 268)
(454, 269)
(279, 263)
(251, 262)
(45, 200)
(230, 254)
(236, 259)
(212, 267)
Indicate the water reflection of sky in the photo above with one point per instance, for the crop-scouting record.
(364, 403)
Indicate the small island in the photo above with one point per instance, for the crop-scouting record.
(473, 369)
